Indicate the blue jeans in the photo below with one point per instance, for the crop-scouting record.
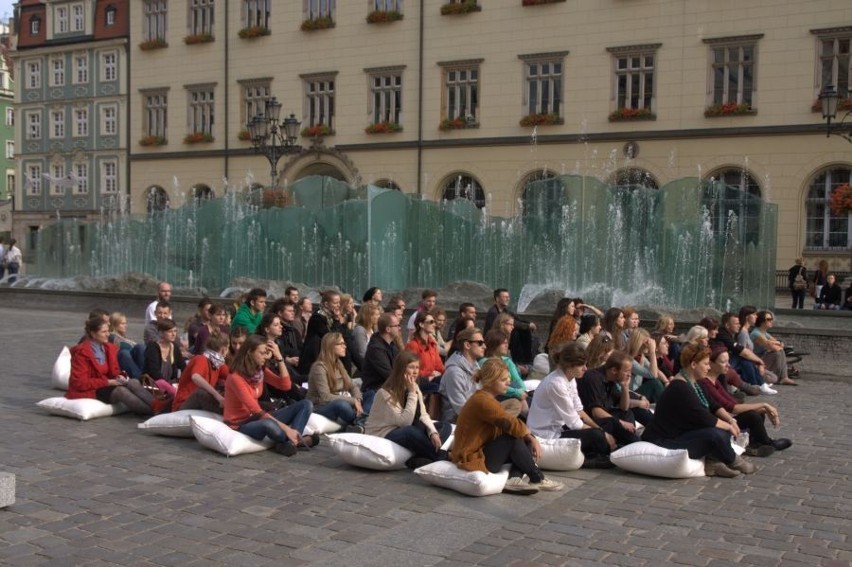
(340, 411)
(13, 268)
(415, 439)
(132, 360)
(747, 369)
(295, 415)
(367, 397)
(710, 441)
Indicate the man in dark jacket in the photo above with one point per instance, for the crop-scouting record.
(378, 360)
(325, 320)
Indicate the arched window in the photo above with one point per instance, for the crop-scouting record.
(542, 194)
(157, 199)
(824, 229)
(464, 187)
(737, 192)
(387, 184)
(201, 192)
(634, 178)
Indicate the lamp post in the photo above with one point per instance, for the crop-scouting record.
(273, 137)
(829, 98)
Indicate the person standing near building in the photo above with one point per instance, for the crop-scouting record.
(2, 258)
(798, 283)
(13, 259)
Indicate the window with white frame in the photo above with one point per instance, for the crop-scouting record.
(35, 25)
(201, 116)
(109, 66)
(156, 113)
(543, 83)
(201, 17)
(33, 184)
(57, 123)
(732, 68)
(57, 74)
(109, 176)
(386, 95)
(110, 15)
(57, 179)
(634, 76)
(154, 13)
(461, 90)
(315, 9)
(33, 120)
(81, 69)
(387, 5)
(835, 62)
(257, 13)
(81, 178)
(10, 181)
(10, 117)
(255, 94)
(824, 229)
(81, 122)
(319, 99)
(10, 149)
(61, 19)
(34, 74)
(109, 120)
(78, 21)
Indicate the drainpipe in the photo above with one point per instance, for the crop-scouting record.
(420, 107)
(227, 91)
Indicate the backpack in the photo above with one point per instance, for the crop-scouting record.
(799, 282)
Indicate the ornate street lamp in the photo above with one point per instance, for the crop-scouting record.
(273, 137)
(829, 99)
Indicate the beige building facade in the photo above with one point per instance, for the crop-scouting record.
(477, 104)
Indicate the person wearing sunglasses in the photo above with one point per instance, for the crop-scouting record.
(457, 384)
(424, 345)
(330, 388)
(770, 349)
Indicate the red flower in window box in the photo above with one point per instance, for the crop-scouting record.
(152, 44)
(317, 131)
(383, 128)
(252, 32)
(542, 119)
(539, 2)
(383, 16)
(244, 135)
(459, 123)
(841, 200)
(465, 7)
(153, 141)
(199, 38)
(625, 114)
(843, 104)
(198, 138)
(323, 23)
(729, 109)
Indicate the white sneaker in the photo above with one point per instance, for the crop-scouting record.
(765, 389)
(547, 484)
(519, 485)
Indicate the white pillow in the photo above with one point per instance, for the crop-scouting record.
(61, 372)
(216, 435)
(82, 409)
(447, 475)
(175, 424)
(531, 385)
(646, 458)
(320, 424)
(369, 451)
(560, 454)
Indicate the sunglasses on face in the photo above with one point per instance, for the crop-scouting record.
(480, 343)
(429, 322)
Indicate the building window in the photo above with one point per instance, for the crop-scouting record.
(57, 76)
(81, 178)
(464, 187)
(739, 194)
(835, 63)
(157, 199)
(109, 66)
(320, 101)
(81, 69)
(110, 15)
(81, 122)
(154, 22)
(33, 120)
(634, 76)
(78, 19)
(33, 184)
(825, 230)
(35, 25)
(201, 192)
(201, 17)
(10, 149)
(57, 124)
(319, 9)
(109, 176)
(10, 117)
(156, 113)
(34, 74)
(543, 83)
(732, 68)
(61, 19)
(201, 107)
(386, 96)
(461, 91)
(10, 182)
(255, 95)
(257, 13)
(57, 179)
(387, 6)
(109, 120)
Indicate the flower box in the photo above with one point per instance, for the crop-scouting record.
(198, 138)
(626, 114)
(199, 38)
(843, 104)
(543, 119)
(539, 2)
(252, 32)
(152, 44)
(383, 16)
(458, 123)
(317, 131)
(313, 24)
(729, 109)
(153, 141)
(244, 135)
(465, 7)
(841, 200)
(383, 128)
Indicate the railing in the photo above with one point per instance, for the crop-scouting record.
(781, 281)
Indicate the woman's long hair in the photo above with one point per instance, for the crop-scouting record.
(396, 384)
(243, 364)
(333, 366)
(610, 325)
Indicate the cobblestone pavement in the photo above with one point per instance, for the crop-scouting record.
(100, 493)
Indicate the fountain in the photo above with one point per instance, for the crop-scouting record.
(690, 244)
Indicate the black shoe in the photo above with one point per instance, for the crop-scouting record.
(354, 428)
(309, 441)
(598, 462)
(417, 462)
(781, 444)
(286, 449)
(759, 450)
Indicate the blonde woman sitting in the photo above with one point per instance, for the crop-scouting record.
(330, 388)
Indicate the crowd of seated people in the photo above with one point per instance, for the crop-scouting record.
(611, 381)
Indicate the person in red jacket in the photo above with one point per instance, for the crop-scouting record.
(424, 345)
(95, 372)
(242, 412)
(202, 382)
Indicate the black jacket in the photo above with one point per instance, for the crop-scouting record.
(378, 362)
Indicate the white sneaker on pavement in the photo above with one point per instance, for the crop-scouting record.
(765, 389)
(547, 484)
(520, 485)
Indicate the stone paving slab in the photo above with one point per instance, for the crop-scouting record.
(101, 493)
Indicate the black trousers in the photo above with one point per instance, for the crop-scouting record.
(754, 423)
(592, 441)
(508, 449)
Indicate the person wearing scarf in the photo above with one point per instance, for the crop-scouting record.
(202, 382)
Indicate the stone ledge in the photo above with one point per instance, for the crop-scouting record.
(7, 489)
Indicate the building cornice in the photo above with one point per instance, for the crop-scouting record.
(27, 52)
(634, 48)
(733, 39)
